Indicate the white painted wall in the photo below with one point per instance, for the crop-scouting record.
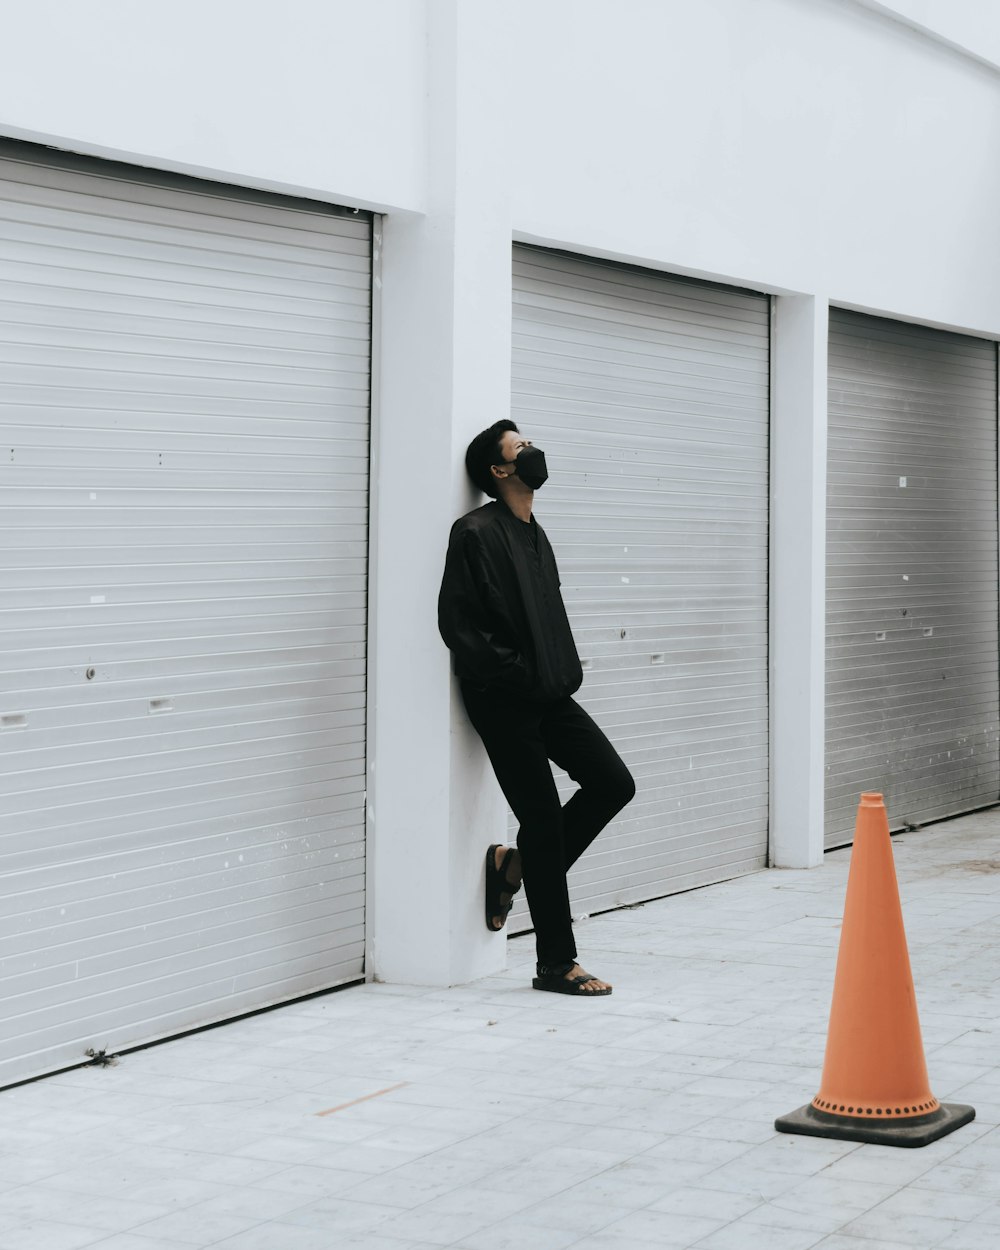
(841, 149)
(968, 26)
(446, 375)
(796, 145)
(797, 592)
(315, 97)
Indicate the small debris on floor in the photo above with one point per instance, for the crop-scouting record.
(101, 1058)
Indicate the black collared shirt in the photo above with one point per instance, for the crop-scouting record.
(500, 609)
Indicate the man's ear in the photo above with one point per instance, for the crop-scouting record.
(497, 473)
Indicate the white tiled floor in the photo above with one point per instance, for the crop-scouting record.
(516, 1119)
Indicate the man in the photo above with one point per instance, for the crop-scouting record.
(501, 613)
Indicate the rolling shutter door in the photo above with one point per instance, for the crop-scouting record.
(650, 396)
(912, 680)
(185, 381)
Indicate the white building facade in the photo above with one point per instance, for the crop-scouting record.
(263, 274)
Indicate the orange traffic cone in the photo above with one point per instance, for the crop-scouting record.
(874, 1086)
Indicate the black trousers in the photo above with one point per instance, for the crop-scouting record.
(520, 739)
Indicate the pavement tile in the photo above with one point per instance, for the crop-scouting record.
(197, 1226)
(741, 1235)
(713, 1203)
(519, 1234)
(839, 1241)
(754, 1180)
(949, 1178)
(826, 1193)
(970, 1237)
(660, 1228)
(50, 1235)
(883, 1163)
(21, 1169)
(733, 1129)
(436, 1228)
(134, 1241)
(174, 1191)
(936, 1205)
(281, 1236)
(340, 1213)
(706, 1154)
(569, 1211)
(489, 1205)
(790, 1153)
(649, 1120)
(908, 1230)
(108, 1211)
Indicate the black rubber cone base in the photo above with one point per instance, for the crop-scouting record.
(921, 1130)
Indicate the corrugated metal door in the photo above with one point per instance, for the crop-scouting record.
(912, 680)
(185, 381)
(650, 396)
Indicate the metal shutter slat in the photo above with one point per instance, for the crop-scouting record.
(185, 373)
(913, 715)
(650, 395)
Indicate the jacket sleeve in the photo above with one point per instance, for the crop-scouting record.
(466, 623)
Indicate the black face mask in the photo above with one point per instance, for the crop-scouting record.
(530, 467)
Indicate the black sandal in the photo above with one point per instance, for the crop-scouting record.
(497, 885)
(556, 982)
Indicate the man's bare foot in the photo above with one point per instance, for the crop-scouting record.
(569, 979)
(593, 986)
(513, 867)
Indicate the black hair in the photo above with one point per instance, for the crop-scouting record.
(484, 451)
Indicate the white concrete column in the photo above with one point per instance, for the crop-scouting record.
(434, 805)
(798, 578)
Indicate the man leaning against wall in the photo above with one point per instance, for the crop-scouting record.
(501, 613)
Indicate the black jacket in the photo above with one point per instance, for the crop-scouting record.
(500, 609)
